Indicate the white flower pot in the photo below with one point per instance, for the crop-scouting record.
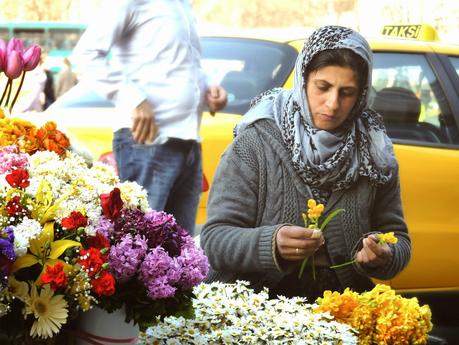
(106, 328)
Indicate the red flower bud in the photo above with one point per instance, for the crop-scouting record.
(31, 57)
(111, 204)
(14, 65)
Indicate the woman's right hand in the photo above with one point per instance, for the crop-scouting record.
(295, 242)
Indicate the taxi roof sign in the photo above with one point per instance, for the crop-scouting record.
(424, 32)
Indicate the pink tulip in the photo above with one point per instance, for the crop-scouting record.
(2, 55)
(15, 44)
(14, 65)
(31, 57)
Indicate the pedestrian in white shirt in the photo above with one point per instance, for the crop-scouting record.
(145, 57)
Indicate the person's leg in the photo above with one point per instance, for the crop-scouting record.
(155, 167)
(184, 197)
(171, 173)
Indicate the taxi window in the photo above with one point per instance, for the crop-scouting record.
(455, 62)
(408, 95)
(245, 67)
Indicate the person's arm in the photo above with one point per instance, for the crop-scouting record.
(91, 55)
(386, 261)
(216, 98)
(230, 237)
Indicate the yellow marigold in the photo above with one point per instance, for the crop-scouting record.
(380, 316)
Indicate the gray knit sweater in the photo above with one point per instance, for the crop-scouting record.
(256, 190)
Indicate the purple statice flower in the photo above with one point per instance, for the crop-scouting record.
(194, 266)
(7, 253)
(159, 273)
(104, 226)
(11, 158)
(163, 230)
(7, 243)
(130, 221)
(125, 256)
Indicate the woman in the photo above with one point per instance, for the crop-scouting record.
(320, 141)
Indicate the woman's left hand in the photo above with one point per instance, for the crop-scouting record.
(372, 254)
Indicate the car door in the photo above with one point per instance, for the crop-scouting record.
(417, 99)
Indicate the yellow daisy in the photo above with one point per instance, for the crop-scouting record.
(50, 311)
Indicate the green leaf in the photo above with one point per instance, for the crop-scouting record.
(330, 217)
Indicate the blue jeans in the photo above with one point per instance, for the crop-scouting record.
(170, 172)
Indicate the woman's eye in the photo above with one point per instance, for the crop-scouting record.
(348, 93)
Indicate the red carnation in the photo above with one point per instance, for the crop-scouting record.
(55, 276)
(91, 260)
(104, 284)
(99, 241)
(14, 207)
(18, 178)
(74, 221)
(111, 204)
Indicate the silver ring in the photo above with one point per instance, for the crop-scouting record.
(297, 251)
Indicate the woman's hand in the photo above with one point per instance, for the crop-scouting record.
(372, 254)
(295, 242)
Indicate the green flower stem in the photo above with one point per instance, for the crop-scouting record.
(303, 266)
(8, 95)
(17, 91)
(5, 90)
(345, 264)
(313, 268)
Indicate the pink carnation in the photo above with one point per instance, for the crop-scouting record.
(11, 158)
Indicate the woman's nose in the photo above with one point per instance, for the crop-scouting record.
(332, 101)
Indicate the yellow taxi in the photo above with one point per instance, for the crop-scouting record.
(415, 88)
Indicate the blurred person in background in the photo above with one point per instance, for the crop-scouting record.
(146, 59)
(66, 78)
(49, 94)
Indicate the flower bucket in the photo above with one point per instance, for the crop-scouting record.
(98, 327)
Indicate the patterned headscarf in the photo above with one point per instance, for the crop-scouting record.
(328, 161)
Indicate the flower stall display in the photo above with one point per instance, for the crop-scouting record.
(380, 316)
(235, 314)
(73, 237)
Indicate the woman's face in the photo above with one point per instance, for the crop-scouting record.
(332, 92)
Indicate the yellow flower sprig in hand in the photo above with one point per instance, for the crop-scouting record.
(311, 221)
(382, 238)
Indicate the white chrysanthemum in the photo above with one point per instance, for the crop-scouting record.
(235, 314)
(104, 173)
(58, 186)
(133, 195)
(23, 232)
(4, 186)
(49, 310)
